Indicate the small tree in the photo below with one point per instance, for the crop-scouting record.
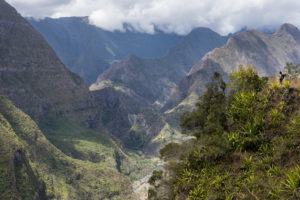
(210, 115)
(246, 79)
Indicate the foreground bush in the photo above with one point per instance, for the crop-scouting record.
(246, 146)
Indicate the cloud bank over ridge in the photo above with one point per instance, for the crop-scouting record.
(223, 16)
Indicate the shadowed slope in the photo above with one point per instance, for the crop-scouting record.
(33, 77)
(32, 168)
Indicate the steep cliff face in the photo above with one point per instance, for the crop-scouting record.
(128, 116)
(267, 52)
(33, 77)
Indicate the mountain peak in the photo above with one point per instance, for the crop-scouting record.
(131, 56)
(8, 13)
(287, 28)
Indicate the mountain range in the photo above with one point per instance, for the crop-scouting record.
(61, 139)
(164, 85)
(88, 50)
(147, 84)
(268, 53)
(130, 91)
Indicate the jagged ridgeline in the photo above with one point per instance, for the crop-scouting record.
(246, 145)
(267, 52)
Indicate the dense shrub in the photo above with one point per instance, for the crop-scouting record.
(247, 144)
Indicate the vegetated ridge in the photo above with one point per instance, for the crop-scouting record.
(246, 142)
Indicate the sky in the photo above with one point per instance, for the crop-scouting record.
(170, 16)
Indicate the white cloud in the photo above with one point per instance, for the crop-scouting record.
(37, 8)
(178, 16)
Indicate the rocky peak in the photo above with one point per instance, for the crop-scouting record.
(8, 13)
(201, 31)
(289, 29)
(131, 58)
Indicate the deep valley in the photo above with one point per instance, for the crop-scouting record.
(87, 113)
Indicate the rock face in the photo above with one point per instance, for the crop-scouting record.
(189, 88)
(88, 50)
(267, 52)
(128, 116)
(33, 77)
(144, 77)
(130, 93)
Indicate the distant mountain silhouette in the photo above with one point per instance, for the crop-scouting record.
(88, 50)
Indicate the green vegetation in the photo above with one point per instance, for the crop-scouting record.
(16, 176)
(246, 146)
(32, 168)
(76, 140)
(96, 146)
(210, 114)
